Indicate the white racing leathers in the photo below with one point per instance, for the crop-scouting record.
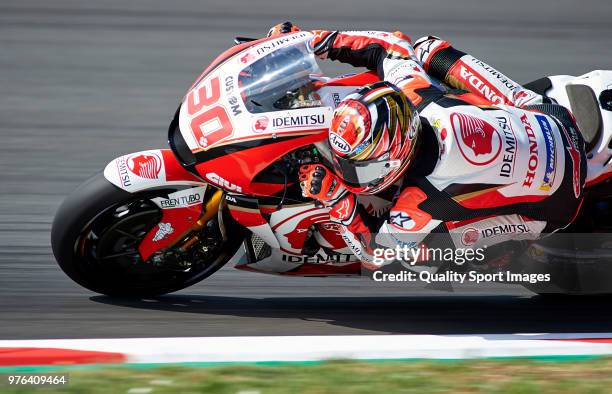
(485, 176)
(463, 71)
(492, 166)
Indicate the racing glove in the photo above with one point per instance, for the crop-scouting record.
(282, 28)
(321, 184)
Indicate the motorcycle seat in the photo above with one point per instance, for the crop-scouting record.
(585, 107)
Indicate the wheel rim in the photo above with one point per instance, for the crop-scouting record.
(108, 249)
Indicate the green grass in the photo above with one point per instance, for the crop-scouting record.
(470, 376)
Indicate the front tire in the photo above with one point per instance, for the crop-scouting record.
(98, 218)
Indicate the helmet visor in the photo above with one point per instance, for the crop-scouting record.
(364, 173)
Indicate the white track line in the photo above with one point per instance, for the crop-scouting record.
(312, 348)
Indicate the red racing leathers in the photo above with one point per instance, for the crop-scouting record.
(493, 164)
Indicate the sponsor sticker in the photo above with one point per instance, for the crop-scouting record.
(122, 170)
(533, 160)
(221, 182)
(477, 82)
(260, 124)
(478, 141)
(331, 227)
(231, 99)
(286, 122)
(163, 231)
(246, 58)
(182, 199)
(320, 258)
(402, 220)
(509, 153)
(145, 165)
(338, 143)
(272, 45)
(352, 243)
(343, 210)
(507, 82)
(336, 98)
(426, 48)
(549, 144)
(493, 230)
(502, 229)
(442, 133)
(572, 141)
(469, 236)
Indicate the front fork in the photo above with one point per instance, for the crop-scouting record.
(211, 209)
(184, 215)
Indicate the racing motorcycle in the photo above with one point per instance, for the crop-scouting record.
(157, 221)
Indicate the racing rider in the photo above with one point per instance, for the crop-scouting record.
(485, 162)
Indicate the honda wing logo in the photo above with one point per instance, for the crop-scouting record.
(478, 141)
(145, 165)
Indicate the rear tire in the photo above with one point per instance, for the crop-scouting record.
(74, 246)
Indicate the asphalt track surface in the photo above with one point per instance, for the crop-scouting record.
(83, 82)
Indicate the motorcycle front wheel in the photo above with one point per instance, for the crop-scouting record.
(97, 230)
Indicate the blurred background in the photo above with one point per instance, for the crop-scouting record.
(82, 82)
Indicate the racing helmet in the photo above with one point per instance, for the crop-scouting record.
(373, 136)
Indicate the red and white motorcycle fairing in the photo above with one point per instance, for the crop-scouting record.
(286, 231)
(212, 115)
(149, 169)
(158, 168)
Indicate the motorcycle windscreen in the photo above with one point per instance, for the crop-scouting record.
(281, 80)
